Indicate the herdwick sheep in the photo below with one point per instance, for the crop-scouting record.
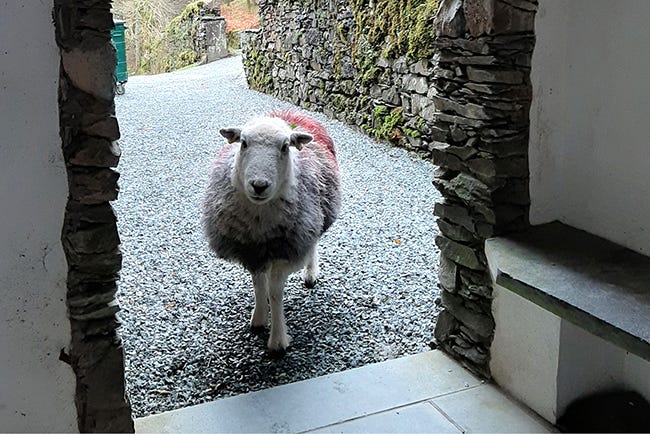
(272, 192)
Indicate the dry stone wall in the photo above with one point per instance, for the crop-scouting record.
(313, 54)
(89, 133)
(482, 97)
(463, 100)
(197, 35)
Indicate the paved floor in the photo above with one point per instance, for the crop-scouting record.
(428, 392)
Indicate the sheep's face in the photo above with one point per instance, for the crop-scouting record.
(263, 164)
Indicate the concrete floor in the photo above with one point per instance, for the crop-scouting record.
(424, 393)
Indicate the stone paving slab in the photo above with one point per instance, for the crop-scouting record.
(417, 418)
(394, 396)
(487, 409)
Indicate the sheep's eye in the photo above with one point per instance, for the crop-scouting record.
(244, 145)
(285, 147)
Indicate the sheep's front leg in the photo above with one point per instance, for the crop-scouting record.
(260, 315)
(278, 339)
(311, 271)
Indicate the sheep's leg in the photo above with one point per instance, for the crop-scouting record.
(278, 339)
(260, 315)
(311, 271)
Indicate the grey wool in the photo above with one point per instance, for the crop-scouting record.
(273, 190)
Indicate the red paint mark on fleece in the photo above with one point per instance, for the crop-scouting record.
(223, 153)
(312, 126)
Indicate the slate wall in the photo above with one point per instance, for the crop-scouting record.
(313, 54)
(89, 133)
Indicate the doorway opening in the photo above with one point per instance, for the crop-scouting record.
(185, 313)
(483, 177)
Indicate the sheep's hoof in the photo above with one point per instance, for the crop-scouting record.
(278, 353)
(278, 344)
(310, 282)
(257, 329)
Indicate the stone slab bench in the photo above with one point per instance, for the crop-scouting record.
(572, 316)
(591, 282)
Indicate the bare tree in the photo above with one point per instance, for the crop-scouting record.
(146, 21)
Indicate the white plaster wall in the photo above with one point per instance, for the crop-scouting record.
(636, 374)
(590, 128)
(547, 362)
(525, 351)
(589, 364)
(36, 389)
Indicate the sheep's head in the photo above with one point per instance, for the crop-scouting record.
(263, 161)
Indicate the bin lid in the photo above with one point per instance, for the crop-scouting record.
(118, 22)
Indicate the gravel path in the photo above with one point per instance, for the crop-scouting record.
(185, 313)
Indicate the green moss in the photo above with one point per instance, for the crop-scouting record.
(380, 111)
(337, 65)
(411, 132)
(190, 11)
(233, 40)
(421, 38)
(388, 29)
(342, 33)
(370, 75)
(339, 102)
(259, 76)
(396, 27)
(387, 124)
(179, 50)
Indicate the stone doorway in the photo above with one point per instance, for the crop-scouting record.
(485, 197)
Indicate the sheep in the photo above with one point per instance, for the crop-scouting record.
(273, 190)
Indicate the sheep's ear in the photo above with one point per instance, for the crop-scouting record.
(298, 139)
(231, 134)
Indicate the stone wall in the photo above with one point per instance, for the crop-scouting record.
(459, 94)
(313, 54)
(214, 39)
(483, 94)
(197, 35)
(89, 133)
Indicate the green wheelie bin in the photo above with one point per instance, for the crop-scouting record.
(121, 74)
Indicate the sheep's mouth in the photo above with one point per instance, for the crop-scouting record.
(258, 199)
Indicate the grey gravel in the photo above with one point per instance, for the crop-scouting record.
(185, 313)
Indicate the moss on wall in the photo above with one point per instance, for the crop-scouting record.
(180, 37)
(258, 71)
(389, 29)
(179, 45)
(395, 27)
(345, 51)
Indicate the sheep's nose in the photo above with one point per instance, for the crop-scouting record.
(259, 186)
